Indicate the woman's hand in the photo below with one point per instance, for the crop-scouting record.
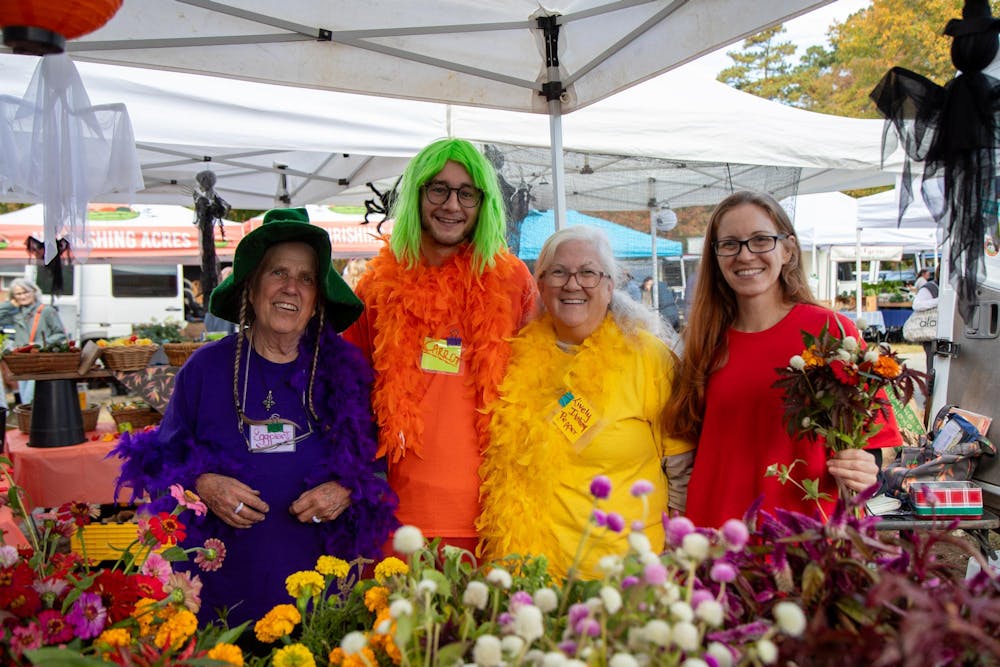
(856, 468)
(321, 503)
(231, 500)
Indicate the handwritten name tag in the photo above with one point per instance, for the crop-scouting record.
(442, 355)
(272, 438)
(574, 418)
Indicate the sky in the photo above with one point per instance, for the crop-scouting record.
(804, 31)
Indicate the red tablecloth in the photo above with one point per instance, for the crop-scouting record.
(51, 476)
(11, 531)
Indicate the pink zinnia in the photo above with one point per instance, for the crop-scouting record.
(188, 499)
(210, 557)
(25, 638)
(157, 566)
(55, 629)
(88, 616)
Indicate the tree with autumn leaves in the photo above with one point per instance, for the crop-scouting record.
(837, 78)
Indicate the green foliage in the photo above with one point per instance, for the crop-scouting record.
(167, 331)
(761, 68)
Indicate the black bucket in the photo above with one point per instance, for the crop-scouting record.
(56, 420)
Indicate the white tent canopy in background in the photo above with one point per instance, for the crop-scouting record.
(333, 143)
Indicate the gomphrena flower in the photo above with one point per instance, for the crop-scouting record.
(407, 540)
(790, 618)
(641, 488)
(600, 487)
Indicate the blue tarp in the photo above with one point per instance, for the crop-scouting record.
(627, 243)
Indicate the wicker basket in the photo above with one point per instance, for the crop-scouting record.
(23, 412)
(177, 353)
(128, 357)
(26, 363)
(137, 417)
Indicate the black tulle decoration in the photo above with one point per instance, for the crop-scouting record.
(36, 249)
(954, 131)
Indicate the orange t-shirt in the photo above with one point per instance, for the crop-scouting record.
(437, 478)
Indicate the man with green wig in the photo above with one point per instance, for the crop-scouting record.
(440, 300)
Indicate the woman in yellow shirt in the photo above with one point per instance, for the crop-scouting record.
(583, 396)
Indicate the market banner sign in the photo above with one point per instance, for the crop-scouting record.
(885, 253)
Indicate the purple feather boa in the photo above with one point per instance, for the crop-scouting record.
(341, 395)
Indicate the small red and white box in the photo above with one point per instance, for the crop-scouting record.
(947, 500)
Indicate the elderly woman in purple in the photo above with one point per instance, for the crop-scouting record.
(271, 426)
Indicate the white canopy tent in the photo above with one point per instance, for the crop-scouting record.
(331, 143)
(510, 55)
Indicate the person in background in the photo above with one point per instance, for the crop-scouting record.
(922, 277)
(213, 323)
(632, 287)
(751, 305)
(272, 426)
(925, 299)
(594, 351)
(441, 300)
(647, 291)
(35, 323)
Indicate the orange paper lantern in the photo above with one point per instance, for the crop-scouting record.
(42, 26)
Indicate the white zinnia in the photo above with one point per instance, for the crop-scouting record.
(487, 651)
(685, 635)
(623, 660)
(722, 655)
(790, 618)
(612, 599)
(353, 642)
(797, 362)
(408, 540)
(695, 545)
(767, 651)
(528, 623)
(657, 632)
(477, 594)
(400, 608)
(500, 577)
(710, 611)
(546, 599)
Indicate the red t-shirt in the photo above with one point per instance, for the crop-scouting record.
(743, 432)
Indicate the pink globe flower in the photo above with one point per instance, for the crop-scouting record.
(600, 487)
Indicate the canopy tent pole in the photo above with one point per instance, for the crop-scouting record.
(652, 234)
(857, 265)
(553, 91)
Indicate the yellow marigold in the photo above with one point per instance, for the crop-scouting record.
(812, 358)
(229, 653)
(293, 655)
(144, 614)
(307, 582)
(277, 623)
(176, 630)
(114, 638)
(389, 567)
(377, 598)
(887, 367)
(332, 565)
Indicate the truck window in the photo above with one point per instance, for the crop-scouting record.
(44, 280)
(144, 281)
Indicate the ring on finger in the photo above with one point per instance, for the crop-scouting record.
(316, 519)
(239, 507)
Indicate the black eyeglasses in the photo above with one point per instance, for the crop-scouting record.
(756, 244)
(438, 193)
(584, 278)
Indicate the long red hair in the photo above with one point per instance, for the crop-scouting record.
(713, 312)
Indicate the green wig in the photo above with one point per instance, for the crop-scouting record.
(489, 236)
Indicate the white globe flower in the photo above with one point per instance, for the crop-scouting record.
(554, 659)
(657, 632)
(534, 657)
(790, 618)
(711, 612)
(477, 594)
(694, 662)
(546, 599)
(797, 362)
(843, 355)
(573, 662)
(400, 608)
(612, 599)
(639, 543)
(408, 540)
(384, 627)
(486, 652)
(427, 587)
(511, 645)
(850, 343)
(528, 623)
(722, 655)
(682, 611)
(872, 355)
(500, 577)
(649, 558)
(686, 636)
(353, 642)
(611, 564)
(767, 651)
(623, 660)
(669, 593)
(695, 545)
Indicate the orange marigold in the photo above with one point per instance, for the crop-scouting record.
(887, 367)
(811, 358)
(337, 658)
(377, 598)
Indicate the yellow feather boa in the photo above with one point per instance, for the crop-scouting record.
(518, 487)
(412, 303)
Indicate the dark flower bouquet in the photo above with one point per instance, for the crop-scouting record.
(835, 389)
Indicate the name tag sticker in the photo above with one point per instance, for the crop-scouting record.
(574, 418)
(442, 355)
(272, 438)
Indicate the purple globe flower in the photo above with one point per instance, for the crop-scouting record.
(568, 647)
(519, 599)
(677, 529)
(655, 573)
(735, 533)
(700, 596)
(641, 488)
(722, 572)
(599, 517)
(600, 487)
(578, 612)
(616, 522)
(629, 581)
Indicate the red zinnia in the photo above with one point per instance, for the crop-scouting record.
(80, 513)
(845, 373)
(116, 594)
(167, 529)
(146, 586)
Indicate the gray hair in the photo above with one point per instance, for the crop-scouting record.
(630, 315)
(27, 285)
